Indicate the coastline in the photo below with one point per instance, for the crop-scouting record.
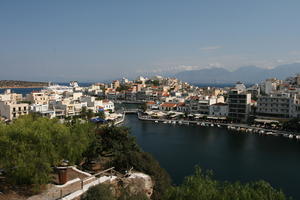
(239, 128)
(14, 87)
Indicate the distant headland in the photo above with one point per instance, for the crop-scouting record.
(21, 84)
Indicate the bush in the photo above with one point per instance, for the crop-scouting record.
(144, 162)
(99, 192)
(31, 146)
(201, 186)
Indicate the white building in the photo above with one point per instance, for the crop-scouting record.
(200, 104)
(276, 105)
(38, 98)
(10, 96)
(42, 109)
(218, 110)
(12, 110)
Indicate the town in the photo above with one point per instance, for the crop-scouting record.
(271, 102)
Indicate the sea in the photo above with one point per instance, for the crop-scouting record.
(232, 156)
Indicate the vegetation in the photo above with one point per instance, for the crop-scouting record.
(153, 82)
(117, 144)
(144, 162)
(31, 146)
(292, 125)
(143, 107)
(99, 192)
(104, 192)
(20, 84)
(100, 114)
(122, 87)
(201, 186)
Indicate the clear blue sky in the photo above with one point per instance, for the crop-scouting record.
(97, 40)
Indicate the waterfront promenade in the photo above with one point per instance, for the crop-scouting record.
(236, 127)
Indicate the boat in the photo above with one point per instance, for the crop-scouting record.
(219, 125)
(156, 121)
(173, 122)
(211, 125)
(291, 136)
(165, 122)
(187, 123)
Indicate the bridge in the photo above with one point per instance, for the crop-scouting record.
(129, 111)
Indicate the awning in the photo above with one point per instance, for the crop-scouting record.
(266, 121)
(216, 117)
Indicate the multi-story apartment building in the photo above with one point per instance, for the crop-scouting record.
(10, 96)
(200, 104)
(42, 109)
(270, 85)
(239, 105)
(219, 110)
(38, 98)
(298, 80)
(296, 108)
(12, 110)
(276, 105)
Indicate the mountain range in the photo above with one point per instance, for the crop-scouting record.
(247, 74)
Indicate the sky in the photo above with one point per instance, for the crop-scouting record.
(62, 40)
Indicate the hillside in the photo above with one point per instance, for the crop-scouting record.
(21, 84)
(247, 74)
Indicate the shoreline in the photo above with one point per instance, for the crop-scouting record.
(21, 87)
(239, 128)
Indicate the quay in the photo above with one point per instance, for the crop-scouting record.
(238, 128)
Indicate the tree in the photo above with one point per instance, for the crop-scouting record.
(201, 186)
(90, 114)
(292, 125)
(122, 87)
(31, 146)
(144, 162)
(83, 112)
(155, 82)
(127, 195)
(100, 114)
(143, 106)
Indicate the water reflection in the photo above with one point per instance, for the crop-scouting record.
(232, 156)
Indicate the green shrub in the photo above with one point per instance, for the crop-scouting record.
(99, 192)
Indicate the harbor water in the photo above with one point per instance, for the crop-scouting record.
(231, 155)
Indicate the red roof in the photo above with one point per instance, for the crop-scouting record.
(150, 102)
(169, 105)
(194, 98)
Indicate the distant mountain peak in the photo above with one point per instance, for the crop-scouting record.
(246, 74)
